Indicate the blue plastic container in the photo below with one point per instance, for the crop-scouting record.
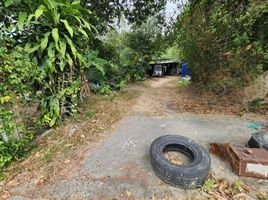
(184, 70)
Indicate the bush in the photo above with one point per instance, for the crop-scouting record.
(105, 89)
(122, 85)
(224, 43)
(54, 34)
(14, 150)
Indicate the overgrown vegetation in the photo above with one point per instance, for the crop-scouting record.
(224, 42)
(46, 39)
(16, 73)
(53, 54)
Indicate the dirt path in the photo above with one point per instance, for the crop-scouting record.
(118, 166)
(157, 94)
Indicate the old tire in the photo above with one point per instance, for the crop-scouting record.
(182, 176)
(258, 140)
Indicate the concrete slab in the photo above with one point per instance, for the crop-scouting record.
(121, 164)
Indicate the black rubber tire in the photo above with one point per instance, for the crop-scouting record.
(258, 140)
(183, 176)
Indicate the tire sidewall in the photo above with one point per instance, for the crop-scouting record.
(197, 170)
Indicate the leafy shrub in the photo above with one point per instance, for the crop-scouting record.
(16, 75)
(105, 89)
(54, 34)
(14, 150)
(122, 85)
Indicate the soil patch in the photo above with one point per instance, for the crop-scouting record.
(193, 101)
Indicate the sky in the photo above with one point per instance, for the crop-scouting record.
(173, 8)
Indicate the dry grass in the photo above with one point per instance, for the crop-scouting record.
(205, 102)
(58, 154)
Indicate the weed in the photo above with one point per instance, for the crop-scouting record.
(48, 157)
(89, 114)
(122, 85)
(209, 185)
(262, 195)
(255, 105)
(105, 89)
(240, 112)
(183, 83)
(2, 176)
(237, 185)
(112, 96)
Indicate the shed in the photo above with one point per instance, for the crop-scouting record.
(162, 67)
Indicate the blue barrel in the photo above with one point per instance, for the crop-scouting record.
(184, 70)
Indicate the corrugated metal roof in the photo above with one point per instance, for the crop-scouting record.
(164, 61)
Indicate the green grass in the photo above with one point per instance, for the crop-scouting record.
(90, 114)
(183, 83)
(48, 157)
(255, 105)
(209, 185)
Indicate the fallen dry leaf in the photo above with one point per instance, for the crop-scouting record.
(153, 197)
(246, 188)
(223, 186)
(129, 194)
(13, 183)
(5, 195)
(67, 161)
(40, 181)
(222, 168)
(241, 196)
(227, 192)
(248, 47)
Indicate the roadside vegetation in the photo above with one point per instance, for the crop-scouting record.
(224, 43)
(56, 54)
(225, 46)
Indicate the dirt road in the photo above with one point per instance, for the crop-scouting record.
(119, 167)
(156, 96)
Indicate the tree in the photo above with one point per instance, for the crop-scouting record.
(145, 39)
(223, 42)
(135, 11)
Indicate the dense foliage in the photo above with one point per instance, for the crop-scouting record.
(16, 72)
(135, 11)
(50, 33)
(127, 54)
(53, 52)
(224, 42)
